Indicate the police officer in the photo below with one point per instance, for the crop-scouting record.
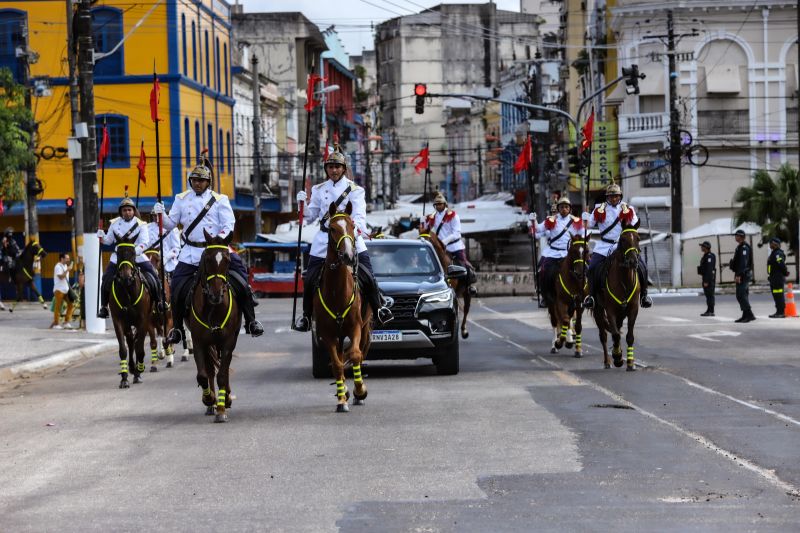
(10, 251)
(126, 225)
(447, 226)
(608, 218)
(708, 272)
(742, 267)
(341, 190)
(777, 272)
(201, 209)
(559, 230)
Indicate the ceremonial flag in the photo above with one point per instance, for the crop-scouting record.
(142, 164)
(325, 155)
(155, 98)
(423, 157)
(311, 102)
(102, 153)
(588, 132)
(525, 157)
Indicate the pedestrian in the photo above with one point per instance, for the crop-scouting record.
(708, 272)
(742, 267)
(82, 297)
(777, 272)
(61, 292)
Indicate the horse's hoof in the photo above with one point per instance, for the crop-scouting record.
(578, 355)
(553, 350)
(606, 366)
(210, 410)
(569, 345)
(124, 384)
(153, 369)
(137, 379)
(184, 358)
(631, 368)
(169, 364)
(220, 418)
(358, 401)
(618, 363)
(465, 334)
(161, 355)
(342, 408)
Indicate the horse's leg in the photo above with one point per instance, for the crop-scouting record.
(467, 304)
(616, 337)
(203, 382)
(223, 385)
(123, 355)
(570, 340)
(357, 357)
(37, 293)
(188, 346)
(578, 331)
(337, 367)
(138, 349)
(629, 341)
(152, 333)
(169, 350)
(599, 318)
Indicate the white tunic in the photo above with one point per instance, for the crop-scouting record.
(558, 249)
(601, 246)
(172, 244)
(218, 221)
(322, 195)
(450, 231)
(119, 227)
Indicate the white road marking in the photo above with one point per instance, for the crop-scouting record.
(673, 319)
(718, 333)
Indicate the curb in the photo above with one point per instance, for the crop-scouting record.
(56, 361)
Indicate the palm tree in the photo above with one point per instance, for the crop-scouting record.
(774, 205)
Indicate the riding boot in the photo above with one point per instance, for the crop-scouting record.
(644, 300)
(177, 334)
(373, 293)
(105, 288)
(304, 322)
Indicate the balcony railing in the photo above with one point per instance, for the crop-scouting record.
(632, 125)
(723, 122)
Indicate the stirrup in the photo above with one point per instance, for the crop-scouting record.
(255, 328)
(302, 324)
(646, 301)
(175, 336)
(588, 302)
(102, 312)
(472, 290)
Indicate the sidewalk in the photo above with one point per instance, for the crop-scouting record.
(28, 347)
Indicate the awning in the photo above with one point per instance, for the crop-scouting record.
(720, 226)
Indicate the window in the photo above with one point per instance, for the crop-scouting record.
(119, 153)
(228, 146)
(183, 41)
(196, 140)
(210, 141)
(12, 25)
(107, 33)
(221, 163)
(208, 64)
(187, 142)
(194, 52)
(217, 77)
(225, 66)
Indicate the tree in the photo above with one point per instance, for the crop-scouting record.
(772, 204)
(15, 121)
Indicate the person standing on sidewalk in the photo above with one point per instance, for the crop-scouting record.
(742, 267)
(61, 292)
(708, 272)
(777, 272)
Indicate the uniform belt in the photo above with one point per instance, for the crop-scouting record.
(195, 244)
(559, 249)
(609, 241)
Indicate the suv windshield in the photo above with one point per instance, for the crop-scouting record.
(416, 260)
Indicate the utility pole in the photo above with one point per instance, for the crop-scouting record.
(256, 145)
(674, 135)
(383, 177)
(480, 172)
(367, 168)
(75, 110)
(797, 253)
(453, 182)
(32, 188)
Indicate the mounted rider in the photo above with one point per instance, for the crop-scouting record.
(9, 252)
(446, 224)
(200, 209)
(340, 190)
(172, 243)
(608, 217)
(559, 229)
(127, 225)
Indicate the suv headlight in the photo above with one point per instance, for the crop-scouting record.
(435, 300)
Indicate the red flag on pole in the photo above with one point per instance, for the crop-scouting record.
(102, 153)
(155, 98)
(325, 155)
(142, 164)
(311, 102)
(588, 132)
(423, 156)
(525, 157)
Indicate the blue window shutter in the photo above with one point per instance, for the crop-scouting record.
(194, 52)
(187, 142)
(208, 64)
(119, 155)
(12, 23)
(107, 33)
(183, 42)
(221, 153)
(210, 140)
(197, 140)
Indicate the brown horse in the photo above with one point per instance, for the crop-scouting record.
(459, 284)
(214, 322)
(570, 286)
(160, 322)
(23, 273)
(618, 296)
(130, 310)
(339, 310)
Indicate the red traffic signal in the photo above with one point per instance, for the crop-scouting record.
(69, 202)
(585, 145)
(420, 89)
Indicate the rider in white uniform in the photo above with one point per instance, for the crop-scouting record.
(172, 243)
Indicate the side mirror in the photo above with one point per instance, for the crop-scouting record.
(456, 272)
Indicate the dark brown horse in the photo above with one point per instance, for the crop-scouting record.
(570, 287)
(160, 322)
(618, 296)
(459, 285)
(23, 273)
(214, 321)
(130, 310)
(339, 310)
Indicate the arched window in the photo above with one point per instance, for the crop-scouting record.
(225, 66)
(12, 24)
(119, 151)
(107, 33)
(208, 63)
(187, 142)
(194, 52)
(228, 146)
(183, 42)
(196, 140)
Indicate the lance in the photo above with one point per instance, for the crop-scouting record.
(531, 209)
(154, 99)
(139, 177)
(425, 185)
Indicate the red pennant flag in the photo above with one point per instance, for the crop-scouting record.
(142, 164)
(423, 156)
(155, 99)
(525, 157)
(588, 132)
(2, 207)
(326, 153)
(311, 102)
(102, 153)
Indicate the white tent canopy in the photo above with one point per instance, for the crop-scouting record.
(720, 226)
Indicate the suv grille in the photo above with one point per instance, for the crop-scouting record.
(404, 307)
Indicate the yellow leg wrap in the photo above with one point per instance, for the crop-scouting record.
(153, 356)
(123, 366)
(140, 367)
(340, 388)
(207, 392)
(357, 373)
(221, 398)
(564, 330)
(578, 340)
(41, 300)
(630, 353)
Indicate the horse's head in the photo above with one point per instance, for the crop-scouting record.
(214, 265)
(341, 235)
(629, 245)
(126, 258)
(578, 257)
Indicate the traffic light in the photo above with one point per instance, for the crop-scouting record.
(69, 204)
(420, 91)
(574, 160)
(632, 78)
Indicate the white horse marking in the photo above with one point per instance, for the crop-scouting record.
(218, 257)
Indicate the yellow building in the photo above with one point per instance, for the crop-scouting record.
(188, 42)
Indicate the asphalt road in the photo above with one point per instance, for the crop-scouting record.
(705, 437)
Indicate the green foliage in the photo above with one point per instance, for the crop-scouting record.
(772, 204)
(15, 155)
(361, 73)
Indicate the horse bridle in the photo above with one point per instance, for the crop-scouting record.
(204, 285)
(339, 254)
(581, 259)
(634, 249)
(137, 273)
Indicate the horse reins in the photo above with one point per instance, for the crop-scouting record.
(635, 275)
(572, 271)
(114, 282)
(205, 291)
(339, 318)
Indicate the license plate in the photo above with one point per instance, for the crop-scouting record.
(387, 336)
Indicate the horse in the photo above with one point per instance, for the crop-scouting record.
(459, 284)
(214, 322)
(23, 273)
(340, 311)
(618, 296)
(130, 310)
(160, 322)
(570, 286)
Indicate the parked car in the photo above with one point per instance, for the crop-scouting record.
(424, 307)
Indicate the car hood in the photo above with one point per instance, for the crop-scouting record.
(411, 284)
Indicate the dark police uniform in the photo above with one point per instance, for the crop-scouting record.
(777, 272)
(708, 272)
(742, 267)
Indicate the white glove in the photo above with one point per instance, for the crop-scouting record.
(531, 223)
(586, 217)
(101, 234)
(158, 208)
(532, 216)
(301, 196)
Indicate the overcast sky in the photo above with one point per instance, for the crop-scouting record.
(352, 18)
